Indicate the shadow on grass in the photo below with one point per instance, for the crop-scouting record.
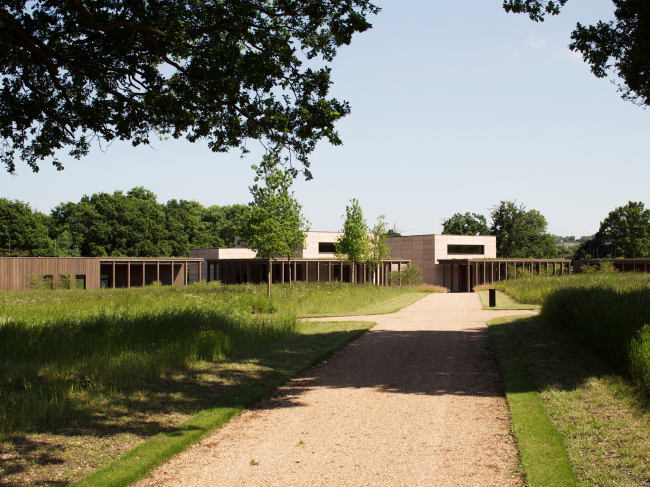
(406, 362)
(554, 360)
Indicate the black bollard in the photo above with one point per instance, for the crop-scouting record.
(493, 298)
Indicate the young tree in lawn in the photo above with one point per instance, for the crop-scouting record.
(377, 248)
(274, 226)
(353, 245)
(295, 227)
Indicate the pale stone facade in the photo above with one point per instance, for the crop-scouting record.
(426, 251)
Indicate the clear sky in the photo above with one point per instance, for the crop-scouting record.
(456, 105)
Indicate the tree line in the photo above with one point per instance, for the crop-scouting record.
(521, 233)
(134, 224)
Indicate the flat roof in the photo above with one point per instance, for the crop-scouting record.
(465, 260)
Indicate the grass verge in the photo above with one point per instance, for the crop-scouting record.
(603, 422)
(543, 457)
(503, 302)
(391, 305)
(87, 376)
(290, 357)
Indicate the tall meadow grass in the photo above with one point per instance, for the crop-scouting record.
(62, 350)
(605, 312)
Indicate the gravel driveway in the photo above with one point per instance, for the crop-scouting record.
(418, 400)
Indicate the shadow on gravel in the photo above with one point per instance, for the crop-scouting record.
(411, 362)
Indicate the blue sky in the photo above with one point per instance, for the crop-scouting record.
(455, 106)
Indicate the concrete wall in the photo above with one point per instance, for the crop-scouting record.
(312, 241)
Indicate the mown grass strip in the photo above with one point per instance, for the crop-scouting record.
(305, 350)
(503, 302)
(388, 306)
(543, 457)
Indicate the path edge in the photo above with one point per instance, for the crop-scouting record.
(138, 462)
(543, 456)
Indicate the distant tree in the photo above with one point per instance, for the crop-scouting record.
(394, 232)
(467, 224)
(521, 233)
(624, 233)
(274, 225)
(116, 225)
(24, 230)
(618, 47)
(353, 245)
(233, 216)
(377, 248)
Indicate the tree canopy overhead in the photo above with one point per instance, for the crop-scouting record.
(75, 71)
(618, 47)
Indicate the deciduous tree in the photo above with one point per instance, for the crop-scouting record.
(467, 224)
(75, 71)
(624, 233)
(23, 229)
(521, 233)
(617, 47)
(377, 248)
(274, 225)
(353, 245)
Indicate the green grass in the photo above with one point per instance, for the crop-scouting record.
(603, 423)
(543, 457)
(604, 312)
(390, 305)
(503, 301)
(85, 376)
(288, 358)
(533, 290)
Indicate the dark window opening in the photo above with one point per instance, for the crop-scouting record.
(466, 249)
(80, 281)
(48, 282)
(104, 281)
(326, 248)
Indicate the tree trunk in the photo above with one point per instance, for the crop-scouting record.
(353, 266)
(268, 280)
(289, 259)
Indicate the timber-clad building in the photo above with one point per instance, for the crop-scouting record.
(456, 262)
(19, 273)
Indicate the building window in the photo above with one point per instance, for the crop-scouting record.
(466, 249)
(326, 248)
(80, 281)
(48, 282)
(104, 281)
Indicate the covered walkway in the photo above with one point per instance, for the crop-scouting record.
(237, 271)
(462, 275)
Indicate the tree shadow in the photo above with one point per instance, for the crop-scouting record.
(555, 361)
(419, 362)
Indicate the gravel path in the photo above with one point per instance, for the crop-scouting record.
(418, 400)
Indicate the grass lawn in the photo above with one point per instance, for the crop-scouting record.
(603, 424)
(504, 301)
(388, 305)
(116, 381)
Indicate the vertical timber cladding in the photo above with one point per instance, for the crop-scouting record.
(16, 272)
